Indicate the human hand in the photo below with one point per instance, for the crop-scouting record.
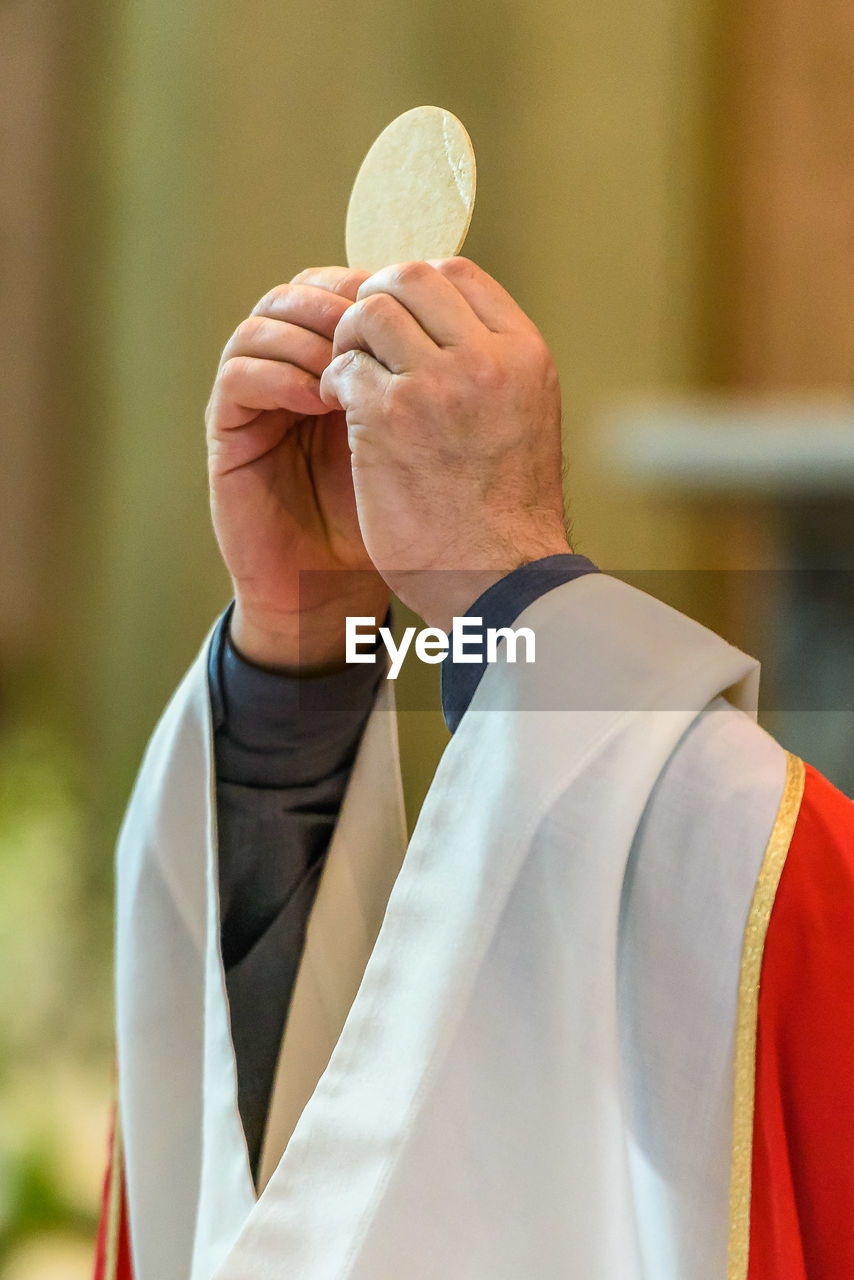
(453, 415)
(281, 483)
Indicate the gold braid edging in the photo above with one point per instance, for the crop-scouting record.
(752, 951)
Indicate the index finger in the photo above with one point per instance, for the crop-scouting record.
(344, 281)
(441, 310)
(491, 303)
(305, 305)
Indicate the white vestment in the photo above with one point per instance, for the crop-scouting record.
(534, 1081)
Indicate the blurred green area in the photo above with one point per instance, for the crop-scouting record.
(55, 1014)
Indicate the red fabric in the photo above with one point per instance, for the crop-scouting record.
(802, 1203)
(123, 1270)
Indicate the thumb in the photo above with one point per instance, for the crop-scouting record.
(354, 380)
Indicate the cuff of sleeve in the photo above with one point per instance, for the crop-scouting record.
(274, 730)
(500, 606)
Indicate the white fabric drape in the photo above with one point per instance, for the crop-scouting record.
(534, 1078)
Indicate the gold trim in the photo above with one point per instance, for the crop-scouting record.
(114, 1209)
(752, 951)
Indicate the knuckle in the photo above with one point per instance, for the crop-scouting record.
(528, 354)
(541, 359)
(341, 362)
(345, 363)
(408, 273)
(489, 372)
(306, 274)
(336, 280)
(248, 331)
(326, 311)
(457, 268)
(232, 374)
(272, 297)
(347, 282)
(376, 304)
(400, 397)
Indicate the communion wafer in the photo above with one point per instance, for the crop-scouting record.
(414, 194)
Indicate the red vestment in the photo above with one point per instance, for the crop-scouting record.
(802, 1201)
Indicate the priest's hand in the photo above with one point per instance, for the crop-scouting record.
(453, 416)
(281, 483)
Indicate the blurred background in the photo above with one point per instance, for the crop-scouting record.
(667, 189)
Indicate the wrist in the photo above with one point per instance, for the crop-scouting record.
(439, 596)
(304, 642)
